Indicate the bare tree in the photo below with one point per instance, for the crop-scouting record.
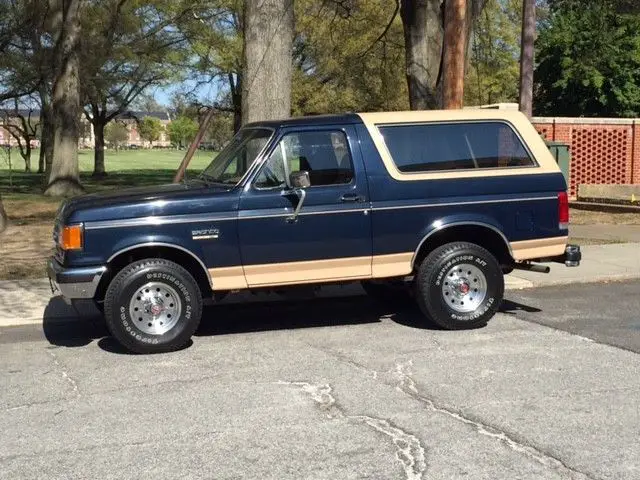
(268, 67)
(23, 127)
(64, 178)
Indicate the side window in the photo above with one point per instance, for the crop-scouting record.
(454, 146)
(324, 154)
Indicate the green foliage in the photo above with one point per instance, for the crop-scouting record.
(150, 129)
(220, 131)
(339, 65)
(589, 60)
(182, 131)
(116, 134)
(494, 70)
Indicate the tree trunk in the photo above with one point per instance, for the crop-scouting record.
(98, 151)
(423, 24)
(46, 136)
(267, 66)
(453, 60)
(526, 56)
(64, 179)
(3, 217)
(26, 155)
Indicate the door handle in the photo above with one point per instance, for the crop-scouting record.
(352, 197)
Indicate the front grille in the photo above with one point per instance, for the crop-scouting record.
(59, 253)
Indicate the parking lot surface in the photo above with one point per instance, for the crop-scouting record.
(335, 388)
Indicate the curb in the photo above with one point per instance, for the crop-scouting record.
(526, 284)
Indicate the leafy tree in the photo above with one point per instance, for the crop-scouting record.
(150, 129)
(495, 49)
(129, 47)
(341, 60)
(116, 134)
(589, 60)
(182, 131)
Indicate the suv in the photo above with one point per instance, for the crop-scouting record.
(436, 205)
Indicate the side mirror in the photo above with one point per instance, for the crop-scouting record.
(299, 179)
(298, 182)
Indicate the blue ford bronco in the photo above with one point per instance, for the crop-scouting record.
(434, 205)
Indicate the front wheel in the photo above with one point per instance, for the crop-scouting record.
(152, 306)
(459, 286)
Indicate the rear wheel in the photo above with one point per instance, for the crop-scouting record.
(153, 305)
(459, 286)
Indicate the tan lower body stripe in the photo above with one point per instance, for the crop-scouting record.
(539, 248)
(315, 271)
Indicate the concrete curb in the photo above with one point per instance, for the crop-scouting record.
(522, 284)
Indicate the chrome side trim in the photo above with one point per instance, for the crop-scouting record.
(457, 224)
(163, 244)
(249, 215)
(152, 220)
(431, 205)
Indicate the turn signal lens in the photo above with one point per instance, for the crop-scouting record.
(71, 237)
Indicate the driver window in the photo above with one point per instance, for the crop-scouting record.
(324, 154)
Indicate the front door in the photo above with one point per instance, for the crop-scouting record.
(330, 239)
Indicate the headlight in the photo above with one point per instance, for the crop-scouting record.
(71, 237)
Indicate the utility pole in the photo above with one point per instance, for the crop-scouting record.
(526, 56)
(454, 53)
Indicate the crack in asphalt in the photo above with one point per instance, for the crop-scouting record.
(407, 386)
(409, 450)
(344, 359)
(63, 372)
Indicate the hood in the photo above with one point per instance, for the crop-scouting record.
(155, 200)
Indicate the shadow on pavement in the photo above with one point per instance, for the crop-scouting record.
(80, 328)
(512, 308)
(66, 326)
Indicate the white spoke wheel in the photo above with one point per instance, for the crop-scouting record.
(152, 306)
(464, 288)
(155, 308)
(459, 285)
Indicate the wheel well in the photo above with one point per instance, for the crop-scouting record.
(482, 236)
(180, 257)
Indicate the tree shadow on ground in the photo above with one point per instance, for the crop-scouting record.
(78, 329)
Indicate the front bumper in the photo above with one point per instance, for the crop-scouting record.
(74, 283)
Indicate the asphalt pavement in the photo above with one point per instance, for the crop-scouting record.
(335, 388)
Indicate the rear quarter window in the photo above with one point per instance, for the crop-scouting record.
(454, 146)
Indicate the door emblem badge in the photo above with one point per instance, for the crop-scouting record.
(205, 234)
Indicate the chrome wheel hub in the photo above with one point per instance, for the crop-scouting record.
(155, 308)
(464, 288)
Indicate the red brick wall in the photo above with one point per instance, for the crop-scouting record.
(602, 151)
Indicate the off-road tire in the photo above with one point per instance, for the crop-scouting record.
(121, 295)
(434, 291)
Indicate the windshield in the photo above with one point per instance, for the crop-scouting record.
(237, 157)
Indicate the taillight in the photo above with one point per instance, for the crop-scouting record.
(563, 211)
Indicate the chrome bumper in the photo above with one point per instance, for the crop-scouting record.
(73, 283)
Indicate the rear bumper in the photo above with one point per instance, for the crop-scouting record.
(74, 283)
(571, 257)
